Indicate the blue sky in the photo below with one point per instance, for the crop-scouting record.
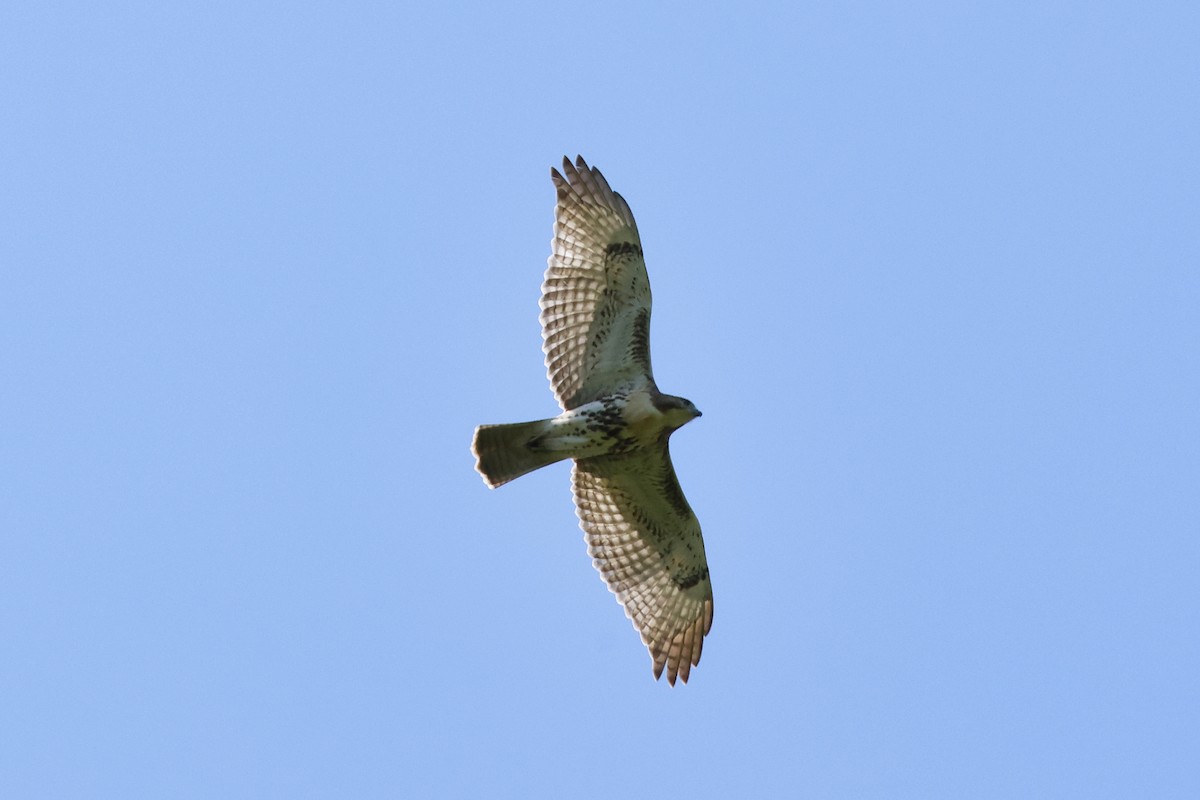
(931, 271)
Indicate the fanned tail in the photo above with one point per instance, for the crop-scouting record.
(505, 452)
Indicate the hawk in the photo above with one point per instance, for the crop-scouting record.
(641, 533)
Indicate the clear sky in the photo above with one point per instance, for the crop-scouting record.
(930, 270)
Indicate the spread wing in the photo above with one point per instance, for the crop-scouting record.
(646, 543)
(596, 296)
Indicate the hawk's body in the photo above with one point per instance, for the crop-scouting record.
(641, 533)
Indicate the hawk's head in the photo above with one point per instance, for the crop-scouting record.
(677, 411)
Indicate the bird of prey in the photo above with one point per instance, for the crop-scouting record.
(641, 533)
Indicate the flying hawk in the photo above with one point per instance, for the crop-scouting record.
(641, 533)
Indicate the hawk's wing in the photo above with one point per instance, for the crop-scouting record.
(596, 297)
(645, 541)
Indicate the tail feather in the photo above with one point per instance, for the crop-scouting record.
(504, 452)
